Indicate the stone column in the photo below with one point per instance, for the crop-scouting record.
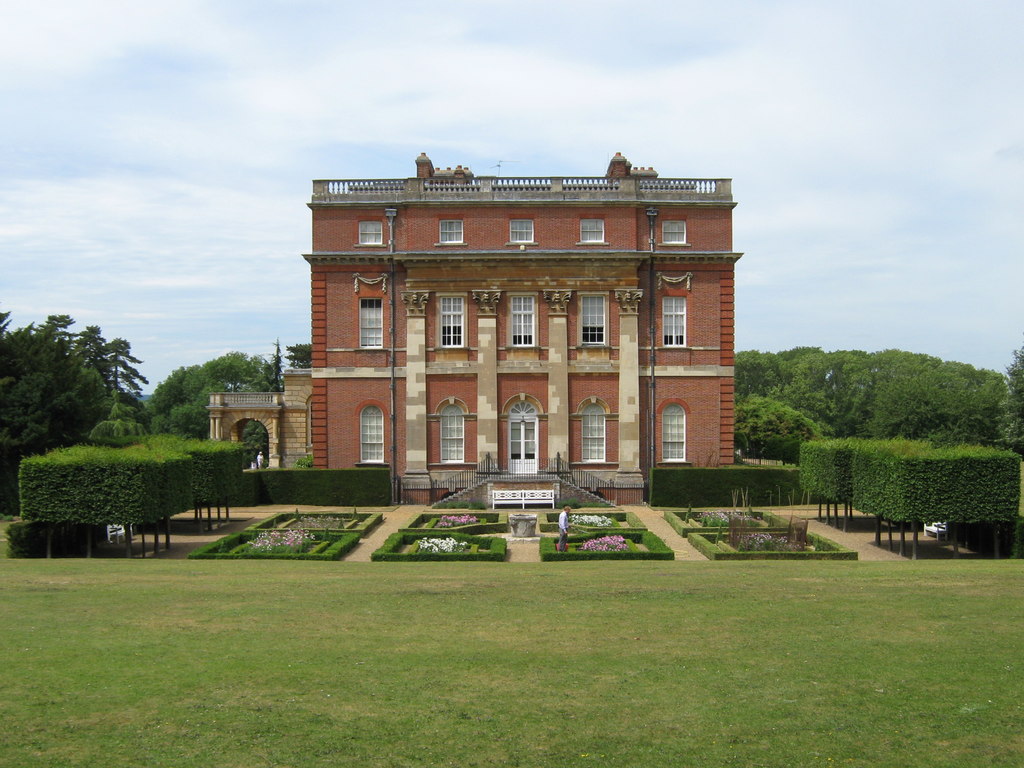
(559, 406)
(487, 405)
(415, 382)
(629, 379)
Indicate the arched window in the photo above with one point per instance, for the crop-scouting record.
(452, 434)
(673, 433)
(593, 433)
(371, 434)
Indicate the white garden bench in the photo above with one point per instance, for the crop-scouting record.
(530, 497)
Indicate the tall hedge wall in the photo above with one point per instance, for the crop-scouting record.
(713, 487)
(102, 486)
(914, 481)
(325, 487)
(826, 468)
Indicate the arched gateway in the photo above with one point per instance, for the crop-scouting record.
(284, 414)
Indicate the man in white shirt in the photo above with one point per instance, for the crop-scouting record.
(563, 529)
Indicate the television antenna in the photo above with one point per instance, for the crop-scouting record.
(498, 166)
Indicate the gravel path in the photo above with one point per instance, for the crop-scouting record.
(859, 536)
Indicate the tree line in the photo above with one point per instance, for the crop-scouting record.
(60, 386)
(785, 397)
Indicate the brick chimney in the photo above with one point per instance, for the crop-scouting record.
(424, 167)
(619, 167)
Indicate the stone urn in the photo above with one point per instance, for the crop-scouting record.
(523, 526)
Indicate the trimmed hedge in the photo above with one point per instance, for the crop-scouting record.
(824, 549)
(686, 522)
(906, 481)
(362, 522)
(826, 468)
(490, 522)
(487, 549)
(332, 545)
(103, 486)
(656, 548)
(714, 487)
(625, 521)
(360, 487)
(29, 539)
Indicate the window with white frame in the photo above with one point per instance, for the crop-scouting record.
(591, 230)
(371, 233)
(451, 231)
(371, 323)
(673, 433)
(523, 316)
(371, 434)
(452, 321)
(592, 319)
(520, 231)
(673, 232)
(593, 433)
(673, 321)
(452, 434)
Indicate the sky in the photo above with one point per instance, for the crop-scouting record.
(156, 158)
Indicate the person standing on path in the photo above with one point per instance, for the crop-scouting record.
(563, 529)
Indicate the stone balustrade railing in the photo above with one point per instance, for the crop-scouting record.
(247, 399)
(640, 188)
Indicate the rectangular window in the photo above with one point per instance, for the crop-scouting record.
(371, 434)
(673, 445)
(592, 319)
(451, 321)
(522, 321)
(593, 433)
(452, 434)
(451, 231)
(520, 231)
(673, 232)
(371, 233)
(371, 323)
(592, 230)
(673, 321)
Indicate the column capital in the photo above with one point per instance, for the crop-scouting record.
(558, 301)
(415, 302)
(629, 300)
(487, 301)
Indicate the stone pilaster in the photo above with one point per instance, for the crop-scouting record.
(559, 406)
(415, 382)
(629, 379)
(487, 405)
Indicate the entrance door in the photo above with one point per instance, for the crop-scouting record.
(522, 439)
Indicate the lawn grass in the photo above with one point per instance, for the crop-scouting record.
(247, 663)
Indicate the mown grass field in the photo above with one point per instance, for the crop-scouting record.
(189, 663)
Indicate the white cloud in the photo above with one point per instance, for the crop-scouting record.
(158, 155)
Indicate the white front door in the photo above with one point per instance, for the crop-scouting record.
(522, 439)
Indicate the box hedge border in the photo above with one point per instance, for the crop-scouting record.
(656, 548)
(684, 523)
(628, 521)
(341, 543)
(824, 549)
(365, 521)
(491, 522)
(496, 550)
(354, 487)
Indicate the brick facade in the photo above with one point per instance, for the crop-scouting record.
(479, 350)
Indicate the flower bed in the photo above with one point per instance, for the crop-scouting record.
(360, 522)
(714, 547)
(277, 544)
(622, 545)
(419, 546)
(687, 521)
(594, 522)
(463, 522)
